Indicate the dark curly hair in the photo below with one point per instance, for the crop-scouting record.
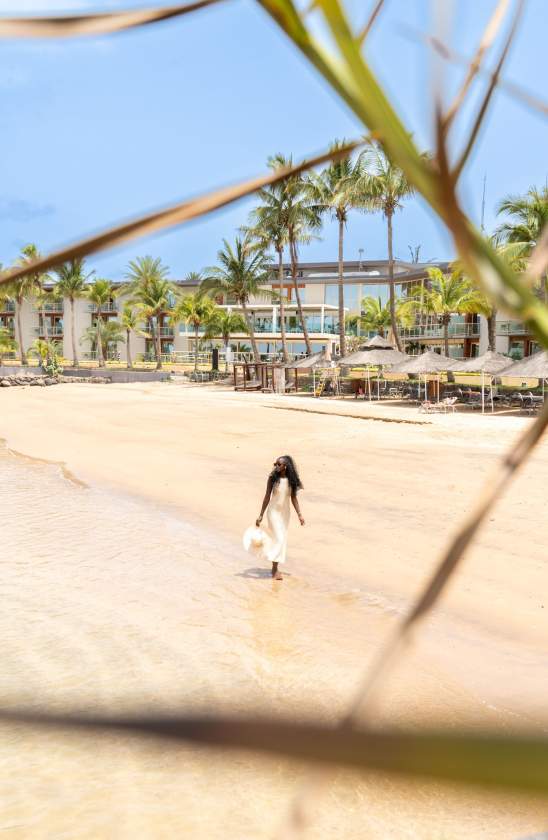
(291, 473)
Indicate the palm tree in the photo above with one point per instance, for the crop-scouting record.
(153, 294)
(72, 283)
(528, 217)
(374, 315)
(7, 343)
(301, 220)
(241, 274)
(225, 323)
(131, 321)
(269, 229)
(25, 288)
(197, 310)
(334, 191)
(444, 296)
(100, 292)
(104, 333)
(384, 188)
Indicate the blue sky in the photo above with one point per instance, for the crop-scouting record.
(93, 131)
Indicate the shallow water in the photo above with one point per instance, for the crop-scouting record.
(114, 603)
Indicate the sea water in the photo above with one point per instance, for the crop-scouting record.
(112, 604)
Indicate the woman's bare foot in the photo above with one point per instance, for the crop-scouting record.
(275, 573)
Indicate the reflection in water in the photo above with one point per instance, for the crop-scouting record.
(115, 604)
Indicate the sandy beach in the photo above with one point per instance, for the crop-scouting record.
(128, 587)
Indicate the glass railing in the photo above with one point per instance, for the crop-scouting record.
(112, 306)
(52, 331)
(7, 306)
(435, 331)
(511, 328)
(167, 332)
(54, 306)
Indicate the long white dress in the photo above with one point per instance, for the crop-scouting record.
(277, 516)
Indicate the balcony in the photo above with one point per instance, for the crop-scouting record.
(511, 328)
(458, 330)
(7, 306)
(111, 306)
(53, 332)
(166, 332)
(56, 306)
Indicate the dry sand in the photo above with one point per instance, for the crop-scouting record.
(380, 500)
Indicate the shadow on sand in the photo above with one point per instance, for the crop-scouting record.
(258, 572)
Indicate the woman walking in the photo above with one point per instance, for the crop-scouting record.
(282, 486)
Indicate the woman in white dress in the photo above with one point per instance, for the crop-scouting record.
(282, 486)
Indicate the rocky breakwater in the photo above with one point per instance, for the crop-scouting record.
(26, 379)
(95, 380)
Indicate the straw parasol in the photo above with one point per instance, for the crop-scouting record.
(377, 352)
(535, 366)
(427, 363)
(379, 341)
(490, 363)
(317, 359)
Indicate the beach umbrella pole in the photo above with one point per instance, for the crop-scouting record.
(482, 392)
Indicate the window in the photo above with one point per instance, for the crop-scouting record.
(352, 295)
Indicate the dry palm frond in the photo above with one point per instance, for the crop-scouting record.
(372, 18)
(510, 762)
(68, 26)
(175, 215)
(490, 90)
(514, 90)
(489, 35)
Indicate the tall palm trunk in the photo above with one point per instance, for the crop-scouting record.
(342, 333)
(491, 330)
(282, 304)
(446, 319)
(158, 346)
(75, 362)
(393, 323)
(249, 322)
(196, 330)
(22, 354)
(129, 360)
(100, 355)
(46, 333)
(293, 253)
(226, 342)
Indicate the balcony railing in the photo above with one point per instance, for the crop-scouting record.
(54, 306)
(7, 306)
(511, 328)
(52, 331)
(454, 331)
(112, 306)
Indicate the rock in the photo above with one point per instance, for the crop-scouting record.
(5, 383)
(50, 380)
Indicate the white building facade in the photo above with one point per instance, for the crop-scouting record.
(318, 289)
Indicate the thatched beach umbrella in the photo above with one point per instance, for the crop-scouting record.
(377, 352)
(425, 364)
(489, 363)
(310, 363)
(535, 366)
(379, 341)
(317, 359)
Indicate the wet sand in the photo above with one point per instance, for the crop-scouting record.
(133, 590)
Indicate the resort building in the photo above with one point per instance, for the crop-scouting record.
(318, 289)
